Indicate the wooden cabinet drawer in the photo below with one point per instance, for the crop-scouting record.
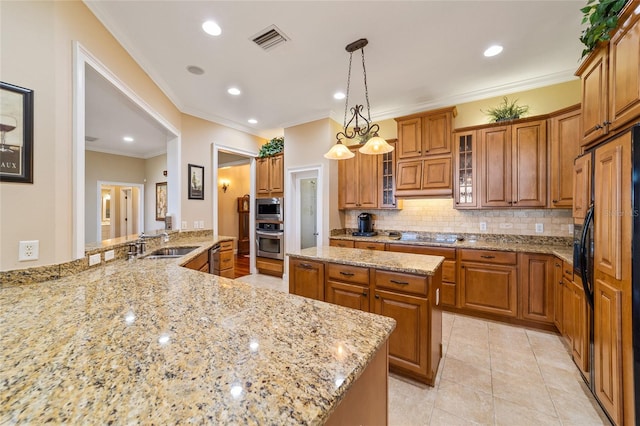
(351, 274)
(369, 245)
(567, 270)
(227, 273)
(401, 282)
(226, 246)
(489, 256)
(447, 253)
(341, 243)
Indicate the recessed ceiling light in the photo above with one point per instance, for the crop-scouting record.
(195, 70)
(493, 50)
(339, 95)
(234, 91)
(127, 139)
(252, 121)
(212, 28)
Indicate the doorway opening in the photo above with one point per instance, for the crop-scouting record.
(233, 202)
(304, 207)
(120, 210)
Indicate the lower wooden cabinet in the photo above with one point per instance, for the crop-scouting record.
(223, 262)
(373, 245)
(580, 329)
(607, 336)
(558, 287)
(537, 287)
(410, 336)
(200, 262)
(347, 286)
(306, 278)
(489, 287)
(333, 242)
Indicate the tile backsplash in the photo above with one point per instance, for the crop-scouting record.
(438, 215)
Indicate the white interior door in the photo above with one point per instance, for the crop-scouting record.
(308, 212)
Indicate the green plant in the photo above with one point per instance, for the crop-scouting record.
(506, 111)
(273, 147)
(601, 17)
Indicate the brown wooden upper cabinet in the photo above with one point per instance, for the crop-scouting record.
(514, 165)
(581, 186)
(465, 175)
(610, 78)
(564, 147)
(424, 153)
(270, 175)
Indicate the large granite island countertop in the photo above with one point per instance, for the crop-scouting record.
(399, 262)
(149, 341)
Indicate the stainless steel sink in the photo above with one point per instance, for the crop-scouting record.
(169, 252)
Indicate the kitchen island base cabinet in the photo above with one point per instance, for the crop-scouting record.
(366, 403)
(306, 278)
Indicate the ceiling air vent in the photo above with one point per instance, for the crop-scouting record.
(270, 37)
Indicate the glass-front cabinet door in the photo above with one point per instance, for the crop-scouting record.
(466, 191)
(387, 184)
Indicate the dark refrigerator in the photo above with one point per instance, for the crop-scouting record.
(606, 258)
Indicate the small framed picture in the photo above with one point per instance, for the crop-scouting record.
(196, 182)
(16, 133)
(161, 201)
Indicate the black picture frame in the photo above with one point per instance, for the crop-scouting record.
(195, 181)
(16, 133)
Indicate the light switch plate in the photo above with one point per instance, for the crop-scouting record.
(94, 259)
(483, 226)
(539, 228)
(108, 255)
(28, 250)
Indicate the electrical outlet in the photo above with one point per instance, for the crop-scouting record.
(483, 226)
(28, 250)
(108, 255)
(201, 224)
(94, 259)
(571, 229)
(195, 224)
(539, 228)
(184, 224)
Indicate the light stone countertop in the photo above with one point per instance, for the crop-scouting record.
(562, 251)
(149, 341)
(399, 262)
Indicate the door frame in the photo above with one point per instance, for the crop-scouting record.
(292, 205)
(216, 147)
(81, 58)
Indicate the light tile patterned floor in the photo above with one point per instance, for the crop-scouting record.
(490, 374)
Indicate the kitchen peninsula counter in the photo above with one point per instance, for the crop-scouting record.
(149, 341)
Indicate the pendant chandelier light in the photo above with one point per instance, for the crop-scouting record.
(375, 144)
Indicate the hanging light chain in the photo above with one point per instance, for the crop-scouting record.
(346, 102)
(366, 90)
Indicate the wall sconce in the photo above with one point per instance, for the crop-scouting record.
(225, 185)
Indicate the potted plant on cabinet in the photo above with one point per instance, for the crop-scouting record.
(601, 17)
(273, 147)
(506, 111)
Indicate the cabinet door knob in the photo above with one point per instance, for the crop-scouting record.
(554, 201)
(598, 127)
(377, 297)
(364, 294)
(606, 123)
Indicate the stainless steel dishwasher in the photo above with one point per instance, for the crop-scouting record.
(214, 258)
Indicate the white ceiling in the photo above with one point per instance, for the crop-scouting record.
(421, 54)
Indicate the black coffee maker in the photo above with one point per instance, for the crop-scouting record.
(365, 226)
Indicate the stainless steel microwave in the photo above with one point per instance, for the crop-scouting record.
(269, 209)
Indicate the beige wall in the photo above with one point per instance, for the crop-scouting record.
(438, 215)
(36, 42)
(197, 138)
(240, 184)
(153, 168)
(305, 146)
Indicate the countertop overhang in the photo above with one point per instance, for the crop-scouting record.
(148, 341)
